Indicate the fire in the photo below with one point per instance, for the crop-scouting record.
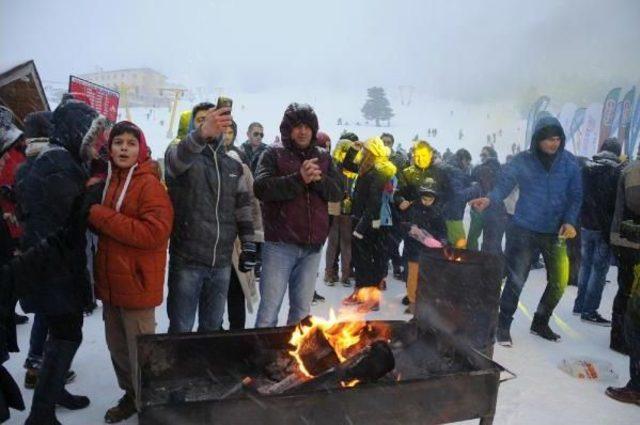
(369, 294)
(346, 335)
(350, 384)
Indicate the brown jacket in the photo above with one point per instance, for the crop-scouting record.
(133, 238)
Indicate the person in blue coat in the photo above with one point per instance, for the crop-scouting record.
(546, 215)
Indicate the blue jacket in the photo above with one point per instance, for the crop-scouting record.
(548, 198)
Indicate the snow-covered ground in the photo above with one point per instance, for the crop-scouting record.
(541, 394)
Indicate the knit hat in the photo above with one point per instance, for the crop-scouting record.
(611, 145)
(38, 124)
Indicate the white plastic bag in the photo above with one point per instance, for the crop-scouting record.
(589, 369)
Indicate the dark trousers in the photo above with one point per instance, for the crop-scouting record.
(369, 258)
(520, 246)
(632, 331)
(235, 303)
(627, 258)
(67, 327)
(393, 237)
(39, 332)
(339, 245)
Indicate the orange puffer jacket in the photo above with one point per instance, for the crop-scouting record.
(132, 244)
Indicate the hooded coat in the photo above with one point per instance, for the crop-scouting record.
(295, 212)
(133, 223)
(549, 197)
(55, 180)
(600, 180)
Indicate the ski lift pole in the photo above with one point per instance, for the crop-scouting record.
(124, 90)
(174, 107)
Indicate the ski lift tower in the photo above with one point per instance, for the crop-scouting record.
(177, 94)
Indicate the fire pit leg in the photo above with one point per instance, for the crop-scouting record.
(486, 420)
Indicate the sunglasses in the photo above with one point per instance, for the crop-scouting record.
(257, 134)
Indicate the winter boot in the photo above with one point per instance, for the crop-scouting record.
(125, 408)
(624, 394)
(540, 327)
(317, 298)
(330, 278)
(72, 402)
(49, 389)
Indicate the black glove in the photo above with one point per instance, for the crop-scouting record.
(248, 257)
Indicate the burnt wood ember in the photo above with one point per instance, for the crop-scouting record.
(316, 354)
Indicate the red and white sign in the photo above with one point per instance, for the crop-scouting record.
(100, 98)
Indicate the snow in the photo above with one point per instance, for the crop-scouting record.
(541, 393)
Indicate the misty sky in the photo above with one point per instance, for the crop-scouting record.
(456, 49)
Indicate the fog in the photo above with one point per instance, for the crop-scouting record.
(466, 51)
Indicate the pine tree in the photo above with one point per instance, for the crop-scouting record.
(377, 106)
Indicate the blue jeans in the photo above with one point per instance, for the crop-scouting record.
(286, 266)
(520, 247)
(596, 255)
(39, 332)
(194, 287)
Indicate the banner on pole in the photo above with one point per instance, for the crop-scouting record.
(100, 98)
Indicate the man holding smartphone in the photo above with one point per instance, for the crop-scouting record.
(212, 207)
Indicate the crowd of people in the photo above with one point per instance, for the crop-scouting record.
(88, 214)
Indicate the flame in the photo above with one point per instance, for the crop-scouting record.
(346, 334)
(350, 384)
(369, 294)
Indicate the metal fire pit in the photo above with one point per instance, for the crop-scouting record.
(195, 379)
(443, 371)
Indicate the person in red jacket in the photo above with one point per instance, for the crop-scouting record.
(133, 223)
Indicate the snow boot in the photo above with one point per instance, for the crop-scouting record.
(50, 386)
(31, 377)
(540, 327)
(72, 402)
(125, 408)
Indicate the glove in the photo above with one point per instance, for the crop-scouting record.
(248, 257)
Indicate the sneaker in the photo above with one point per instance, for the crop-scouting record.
(503, 337)
(540, 327)
(346, 282)
(125, 408)
(330, 278)
(405, 300)
(624, 394)
(317, 298)
(595, 319)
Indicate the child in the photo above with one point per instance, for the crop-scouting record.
(427, 215)
(133, 224)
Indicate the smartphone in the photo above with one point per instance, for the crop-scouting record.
(224, 102)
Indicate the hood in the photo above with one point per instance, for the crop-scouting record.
(341, 149)
(9, 133)
(380, 152)
(295, 115)
(324, 141)
(606, 158)
(71, 121)
(144, 153)
(546, 127)
(38, 124)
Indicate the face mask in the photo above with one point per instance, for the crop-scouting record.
(422, 157)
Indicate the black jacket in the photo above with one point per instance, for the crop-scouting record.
(54, 182)
(600, 180)
(430, 219)
(251, 157)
